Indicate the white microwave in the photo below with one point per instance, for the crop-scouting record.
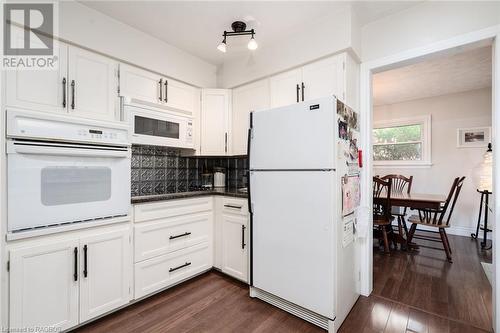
(158, 127)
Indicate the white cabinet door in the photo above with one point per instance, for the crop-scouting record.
(40, 90)
(324, 78)
(105, 265)
(215, 121)
(180, 96)
(140, 84)
(234, 246)
(285, 88)
(43, 285)
(93, 85)
(251, 97)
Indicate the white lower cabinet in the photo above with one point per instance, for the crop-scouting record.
(106, 273)
(160, 272)
(232, 240)
(173, 242)
(235, 246)
(69, 279)
(43, 285)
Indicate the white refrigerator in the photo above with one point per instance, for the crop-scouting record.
(302, 258)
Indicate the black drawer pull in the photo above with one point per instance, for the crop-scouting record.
(233, 206)
(181, 235)
(179, 267)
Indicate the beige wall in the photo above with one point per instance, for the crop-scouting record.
(448, 112)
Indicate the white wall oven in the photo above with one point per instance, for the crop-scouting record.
(61, 170)
(151, 126)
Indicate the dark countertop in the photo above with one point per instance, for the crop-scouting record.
(171, 196)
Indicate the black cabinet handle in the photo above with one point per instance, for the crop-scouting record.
(161, 91)
(166, 91)
(181, 235)
(73, 94)
(243, 237)
(303, 88)
(85, 271)
(298, 88)
(233, 206)
(64, 92)
(75, 273)
(179, 267)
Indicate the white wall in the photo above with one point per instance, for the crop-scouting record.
(423, 24)
(448, 112)
(87, 27)
(322, 37)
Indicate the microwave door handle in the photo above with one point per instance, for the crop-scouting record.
(65, 151)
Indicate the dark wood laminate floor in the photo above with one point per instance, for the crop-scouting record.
(426, 281)
(399, 303)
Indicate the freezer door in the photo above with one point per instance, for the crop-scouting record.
(298, 136)
(293, 237)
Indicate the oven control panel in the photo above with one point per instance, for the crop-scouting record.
(39, 126)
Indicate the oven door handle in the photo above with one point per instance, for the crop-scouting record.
(30, 149)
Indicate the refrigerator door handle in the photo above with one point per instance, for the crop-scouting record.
(298, 89)
(249, 141)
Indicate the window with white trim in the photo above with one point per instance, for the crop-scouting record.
(402, 142)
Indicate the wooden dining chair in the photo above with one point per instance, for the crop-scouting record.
(382, 217)
(439, 218)
(400, 184)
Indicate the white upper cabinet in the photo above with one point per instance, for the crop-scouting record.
(180, 96)
(140, 84)
(106, 269)
(215, 121)
(318, 79)
(153, 88)
(248, 98)
(44, 285)
(323, 78)
(93, 85)
(84, 84)
(285, 88)
(41, 90)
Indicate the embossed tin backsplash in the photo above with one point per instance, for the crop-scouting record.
(161, 170)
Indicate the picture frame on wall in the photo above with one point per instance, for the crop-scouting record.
(473, 137)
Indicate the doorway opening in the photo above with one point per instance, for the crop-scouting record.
(431, 117)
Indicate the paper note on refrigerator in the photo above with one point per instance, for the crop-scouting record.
(348, 232)
(350, 194)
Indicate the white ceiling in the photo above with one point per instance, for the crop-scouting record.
(442, 75)
(197, 27)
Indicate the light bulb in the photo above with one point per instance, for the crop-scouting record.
(252, 44)
(222, 47)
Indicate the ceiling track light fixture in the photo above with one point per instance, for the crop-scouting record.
(238, 30)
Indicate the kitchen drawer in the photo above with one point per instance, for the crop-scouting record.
(167, 235)
(235, 206)
(164, 209)
(160, 272)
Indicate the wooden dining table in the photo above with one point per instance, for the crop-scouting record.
(412, 201)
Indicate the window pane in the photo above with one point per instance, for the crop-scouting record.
(401, 152)
(397, 134)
